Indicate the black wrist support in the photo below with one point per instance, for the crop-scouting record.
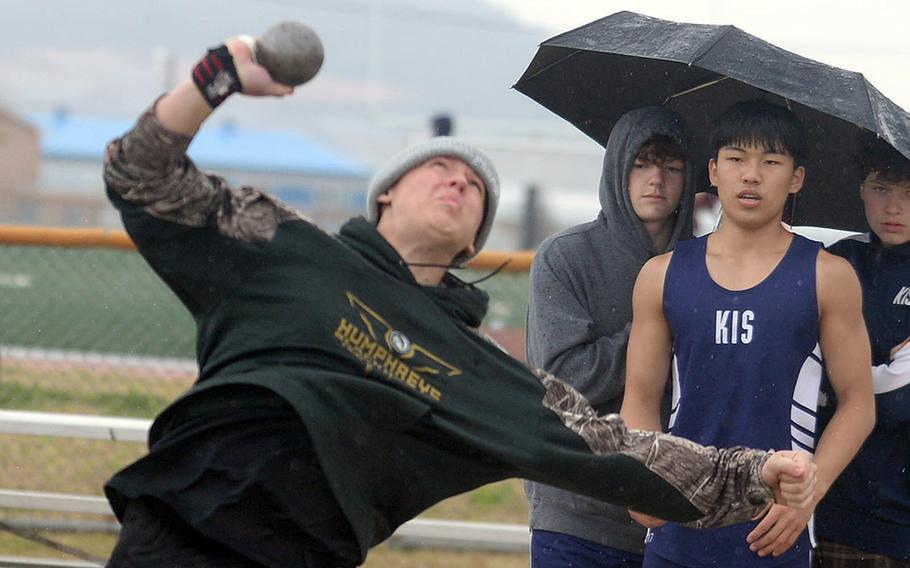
(216, 77)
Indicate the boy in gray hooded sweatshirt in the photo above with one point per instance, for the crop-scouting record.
(580, 313)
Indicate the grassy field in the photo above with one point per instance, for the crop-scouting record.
(110, 302)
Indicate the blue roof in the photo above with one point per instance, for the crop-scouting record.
(223, 146)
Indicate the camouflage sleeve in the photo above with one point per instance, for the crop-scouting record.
(200, 235)
(148, 168)
(726, 485)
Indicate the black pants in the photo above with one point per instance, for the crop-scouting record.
(237, 485)
(152, 537)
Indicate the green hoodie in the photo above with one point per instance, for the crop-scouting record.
(405, 402)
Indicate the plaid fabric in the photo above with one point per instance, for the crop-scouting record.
(833, 555)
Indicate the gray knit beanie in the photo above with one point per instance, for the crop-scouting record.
(411, 157)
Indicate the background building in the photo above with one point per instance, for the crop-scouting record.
(65, 188)
(20, 157)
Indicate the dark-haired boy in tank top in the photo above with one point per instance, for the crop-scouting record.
(745, 317)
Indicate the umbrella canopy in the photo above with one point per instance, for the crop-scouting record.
(594, 74)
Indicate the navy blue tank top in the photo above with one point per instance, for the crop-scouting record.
(746, 372)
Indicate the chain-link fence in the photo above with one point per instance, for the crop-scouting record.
(95, 331)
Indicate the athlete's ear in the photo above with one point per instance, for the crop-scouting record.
(384, 198)
(796, 182)
(712, 172)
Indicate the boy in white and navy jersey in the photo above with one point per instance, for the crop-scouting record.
(747, 313)
(865, 519)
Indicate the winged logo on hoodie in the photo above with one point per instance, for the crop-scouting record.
(390, 352)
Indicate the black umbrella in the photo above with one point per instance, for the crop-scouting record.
(592, 75)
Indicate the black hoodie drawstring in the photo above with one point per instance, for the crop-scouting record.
(490, 275)
(496, 271)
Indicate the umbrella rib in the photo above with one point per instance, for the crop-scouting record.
(872, 109)
(709, 84)
(707, 47)
(573, 54)
(693, 89)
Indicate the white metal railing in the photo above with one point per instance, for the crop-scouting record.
(74, 426)
(18, 562)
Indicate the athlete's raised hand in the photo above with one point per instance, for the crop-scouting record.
(254, 78)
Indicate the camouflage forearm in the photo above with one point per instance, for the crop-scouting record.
(148, 167)
(724, 484)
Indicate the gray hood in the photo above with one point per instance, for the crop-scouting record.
(580, 309)
(631, 131)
